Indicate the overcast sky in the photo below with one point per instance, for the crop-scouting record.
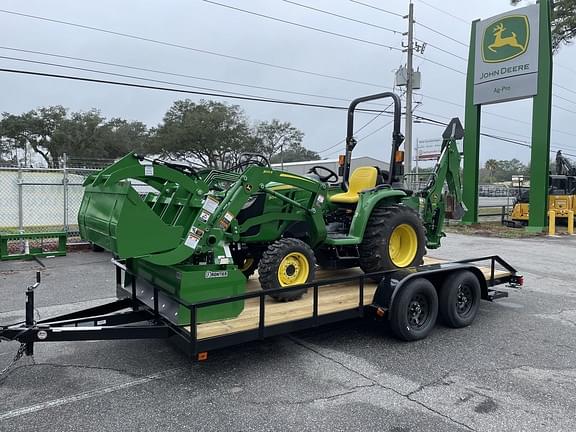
(204, 26)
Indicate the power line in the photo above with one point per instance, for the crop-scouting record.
(185, 47)
(440, 64)
(342, 16)
(434, 122)
(563, 98)
(367, 135)
(441, 34)
(177, 90)
(443, 50)
(340, 35)
(369, 24)
(564, 88)
(377, 8)
(445, 12)
(368, 123)
(174, 45)
(564, 109)
(153, 71)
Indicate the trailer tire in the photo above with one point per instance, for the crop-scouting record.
(394, 238)
(287, 262)
(414, 311)
(459, 299)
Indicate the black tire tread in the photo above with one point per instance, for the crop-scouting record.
(267, 267)
(377, 232)
(398, 320)
(445, 311)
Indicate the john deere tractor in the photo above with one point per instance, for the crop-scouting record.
(198, 235)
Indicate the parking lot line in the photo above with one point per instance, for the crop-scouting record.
(88, 394)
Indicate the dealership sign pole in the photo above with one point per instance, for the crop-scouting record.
(510, 59)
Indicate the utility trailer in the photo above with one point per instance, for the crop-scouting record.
(409, 299)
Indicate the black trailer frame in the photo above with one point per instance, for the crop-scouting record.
(130, 318)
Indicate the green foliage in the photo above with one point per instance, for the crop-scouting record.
(51, 132)
(214, 135)
(502, 170)
(563, 22)
(207, 133)
(282, 142)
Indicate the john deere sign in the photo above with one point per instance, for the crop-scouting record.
(510, 58)
(506, 63)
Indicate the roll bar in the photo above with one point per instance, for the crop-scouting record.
(397, 137)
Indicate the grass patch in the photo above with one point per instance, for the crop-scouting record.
(490, 229)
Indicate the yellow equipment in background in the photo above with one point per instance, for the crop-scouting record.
(561, 199)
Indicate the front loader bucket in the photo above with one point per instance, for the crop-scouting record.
(116, 218)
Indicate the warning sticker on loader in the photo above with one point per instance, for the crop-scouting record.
(210, 204)
(148, 170)
(194, 237)
(226, 220)
(204, 216)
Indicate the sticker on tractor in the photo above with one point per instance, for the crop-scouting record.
(216, 274)
(194, 237)
(210, 204)
(148, 170)
(320, 200)
(204, 216)
(226, 220)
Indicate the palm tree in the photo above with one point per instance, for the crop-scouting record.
(491, 165)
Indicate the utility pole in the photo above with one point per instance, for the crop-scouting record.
(409, 83)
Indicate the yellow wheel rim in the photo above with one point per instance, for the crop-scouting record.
(403, 245)
(293, 269)
(246, 264)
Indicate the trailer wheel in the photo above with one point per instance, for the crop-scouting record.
(459, 299)
(287, 262)
(414, 310)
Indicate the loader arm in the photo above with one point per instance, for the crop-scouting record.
(434, 204)
(187, 215)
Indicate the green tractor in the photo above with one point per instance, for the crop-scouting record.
(198, 235)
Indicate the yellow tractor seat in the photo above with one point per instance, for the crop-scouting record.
(361, 179)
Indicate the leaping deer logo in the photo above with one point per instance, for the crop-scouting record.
(500, 41)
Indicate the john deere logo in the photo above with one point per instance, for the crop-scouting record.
(506, 39)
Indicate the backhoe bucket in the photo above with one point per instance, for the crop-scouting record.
(116, 218)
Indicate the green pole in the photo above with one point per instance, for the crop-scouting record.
(471, 139)
(541, 118)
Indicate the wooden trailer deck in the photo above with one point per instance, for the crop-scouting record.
(331, 298)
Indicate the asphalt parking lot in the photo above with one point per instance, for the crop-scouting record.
(514, 369)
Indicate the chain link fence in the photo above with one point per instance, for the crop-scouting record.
(41, 200)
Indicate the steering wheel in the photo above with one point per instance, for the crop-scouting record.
(330, 177)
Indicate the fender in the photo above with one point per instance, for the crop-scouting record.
(392, 283)
(366, 203)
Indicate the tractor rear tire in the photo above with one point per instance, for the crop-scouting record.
(394, 238)
(287, 262)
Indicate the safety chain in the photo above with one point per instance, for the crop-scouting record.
(18, 356)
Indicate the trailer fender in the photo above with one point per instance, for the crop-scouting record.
(392, 283)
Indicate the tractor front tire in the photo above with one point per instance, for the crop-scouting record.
(394, 238)
(247, 262)
(287, 262)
